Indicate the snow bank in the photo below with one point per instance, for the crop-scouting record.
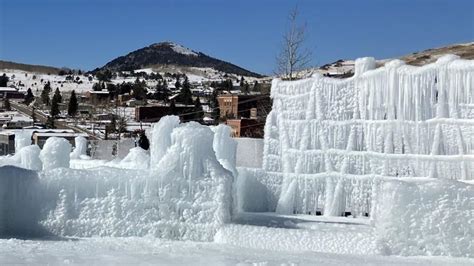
(55, 153)
(426, 218)
(19, 204)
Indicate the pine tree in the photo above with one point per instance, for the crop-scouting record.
(55, 107)
(143, 141)
(4, 80)
(29, 97)
(57, 95)
(73, 105)
(185, 95)
(6, 104)
(199, 113)
(45, 94)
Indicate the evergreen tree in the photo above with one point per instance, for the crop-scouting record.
(246, 88)
(57, 96)
(199, 113)
(29, 97)
(55, 107)
(73, 105)
(4, 80)
(139, 91)
(45, 94)
(6, 104)
(185, 95)
(143, 141)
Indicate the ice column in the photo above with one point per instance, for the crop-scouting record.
(225, 148)
(29, 157)
(22, 139)
(80, 149)
(161, 138)
(55, 153)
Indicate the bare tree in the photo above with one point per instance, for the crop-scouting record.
(294, 56)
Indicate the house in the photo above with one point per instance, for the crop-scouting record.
(244, 106)
(40, 137)
(11, 93)
(156, 112)
(7, 143)
(98, 97)
(246, 128)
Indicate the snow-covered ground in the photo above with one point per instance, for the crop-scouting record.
(154, 251)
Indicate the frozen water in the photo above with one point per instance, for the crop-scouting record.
(80, 149)
(137, 158)
(161, 138)
(225, 147)
(22, 139)
(426, 218)
(333, 140)
(30, 158)
(55, 153)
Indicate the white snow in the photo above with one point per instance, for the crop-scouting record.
(182, 50)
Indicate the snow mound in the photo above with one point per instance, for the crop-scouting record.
(137, 158)
(55, 153)
(433, 218)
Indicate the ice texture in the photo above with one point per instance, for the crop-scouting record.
(55, 153)
(80, 149)
(426, 218)
(333, 140)
(137, 158)
(30, 158)
(161, 138)
(22, 139)
(225, 148)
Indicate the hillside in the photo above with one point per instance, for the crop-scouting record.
(29, 68)
(168, 54)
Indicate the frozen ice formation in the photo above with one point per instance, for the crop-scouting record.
(55, 153)
(420, 218)
(225, 147)
(328, 141)
(161, 138)
(22, 139)
(30, 158)
(137, 158)
(80, 149)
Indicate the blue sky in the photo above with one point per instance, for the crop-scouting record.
(88, 33)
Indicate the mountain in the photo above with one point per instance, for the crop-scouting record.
(165, 54)
(29, 68)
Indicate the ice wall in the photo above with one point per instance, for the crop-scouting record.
(55, 153)
(425, 218)
(332, 139)
(225, 147)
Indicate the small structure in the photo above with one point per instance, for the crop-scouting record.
(248, 128)
(7, 142)
(98, 97)
(39, 137)
(240, 106)
(11, 93)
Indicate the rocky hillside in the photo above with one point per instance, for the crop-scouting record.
(163, 54)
